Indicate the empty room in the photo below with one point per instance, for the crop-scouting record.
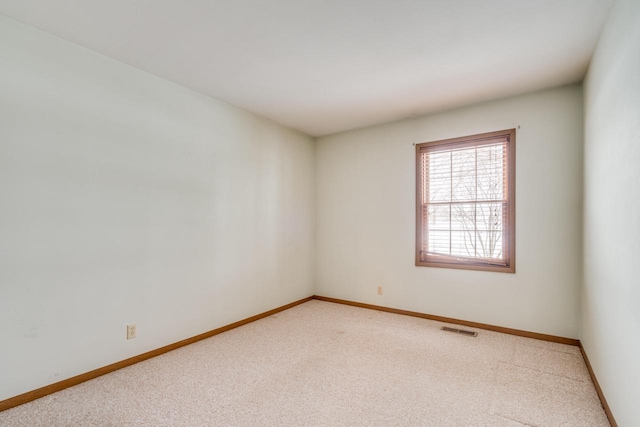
(319, 213)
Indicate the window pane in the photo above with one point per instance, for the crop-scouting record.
(463, 172)
(463, 217)
(490, 219)
(490, 173)
(489, 244)
(439, 177)
(439, 242)
(490, 216)
(463, 243)
(439, 217)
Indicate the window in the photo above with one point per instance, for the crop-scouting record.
(465, 202)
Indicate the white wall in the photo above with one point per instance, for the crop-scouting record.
(128, 199)
(365, 220)
(610, 324)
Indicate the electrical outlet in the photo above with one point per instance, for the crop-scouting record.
(131, 331)
(379, 290)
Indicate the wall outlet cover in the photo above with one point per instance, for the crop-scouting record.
(131, 331)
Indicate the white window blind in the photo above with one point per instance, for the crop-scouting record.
(464, 202)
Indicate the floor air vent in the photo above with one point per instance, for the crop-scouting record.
(459, 331)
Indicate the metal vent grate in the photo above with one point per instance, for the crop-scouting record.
(459, 331)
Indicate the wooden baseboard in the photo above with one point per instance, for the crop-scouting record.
(605, 405)
(69, 382)
(527, 334)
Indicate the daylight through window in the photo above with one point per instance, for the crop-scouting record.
(466, 202)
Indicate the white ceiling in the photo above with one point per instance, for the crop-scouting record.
(324, 66)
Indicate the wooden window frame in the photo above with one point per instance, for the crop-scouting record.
(509, 245)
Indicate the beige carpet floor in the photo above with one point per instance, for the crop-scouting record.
(327, 364)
